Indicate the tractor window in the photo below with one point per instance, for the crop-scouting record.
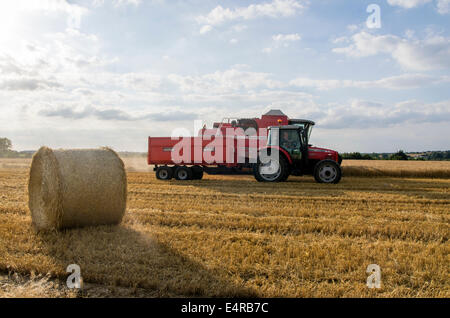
(300, 125)
(309, 132)
(290, 140)
(272, 138)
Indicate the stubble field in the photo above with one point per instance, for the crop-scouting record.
(232, 236)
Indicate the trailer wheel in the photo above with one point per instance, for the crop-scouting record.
(197, 172)
(327, 171)
(276, 170)
(183, 173)
(164, 173)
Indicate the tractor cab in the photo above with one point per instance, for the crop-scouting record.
(294, 137)
(291, 138)
(305, 125)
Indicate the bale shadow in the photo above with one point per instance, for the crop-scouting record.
(123, 257)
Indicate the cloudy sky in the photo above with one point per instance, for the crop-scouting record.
(90, 73)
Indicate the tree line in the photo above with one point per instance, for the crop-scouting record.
(399, 155)
(6, 150)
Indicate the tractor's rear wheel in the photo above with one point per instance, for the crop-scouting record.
(271, 170)
(164, 173)
(183, 173)
(286, 175)
(327, 171)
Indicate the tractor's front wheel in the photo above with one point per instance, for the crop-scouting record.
(272, 170)
(327, 171)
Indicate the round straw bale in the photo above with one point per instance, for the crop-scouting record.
(75, 188)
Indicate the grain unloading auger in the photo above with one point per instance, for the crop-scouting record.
(272, 147)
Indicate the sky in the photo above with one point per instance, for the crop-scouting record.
(90, 73)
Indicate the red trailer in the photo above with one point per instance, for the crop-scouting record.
(272, 148)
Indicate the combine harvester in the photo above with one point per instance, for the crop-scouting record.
(272, 148)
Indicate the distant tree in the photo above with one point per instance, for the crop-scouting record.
(400, 155)
(5, 145)
(437, 156)
(352, 155)
(356, 156)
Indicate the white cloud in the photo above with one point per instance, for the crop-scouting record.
(281, 40)
(409, 34)
(117, 3)
(54, 62)
(404, 81)
(125, 2)
(274, 9)
(222, 82)
(352, 27)
(205, 29)
(286, 37)
(27, 84)
(365, 114)
(113, 114)
(433, 52)
(239, 27)
(443, 6)
(408, 4)
(342, 39)
(12, 9)
(320, 84)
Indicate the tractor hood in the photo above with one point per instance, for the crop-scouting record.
(317, 149)
(322, 153)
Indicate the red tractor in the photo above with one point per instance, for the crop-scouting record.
(282, 149)
(295, 156)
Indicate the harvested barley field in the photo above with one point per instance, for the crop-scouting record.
(394, 168)
(232, 236)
